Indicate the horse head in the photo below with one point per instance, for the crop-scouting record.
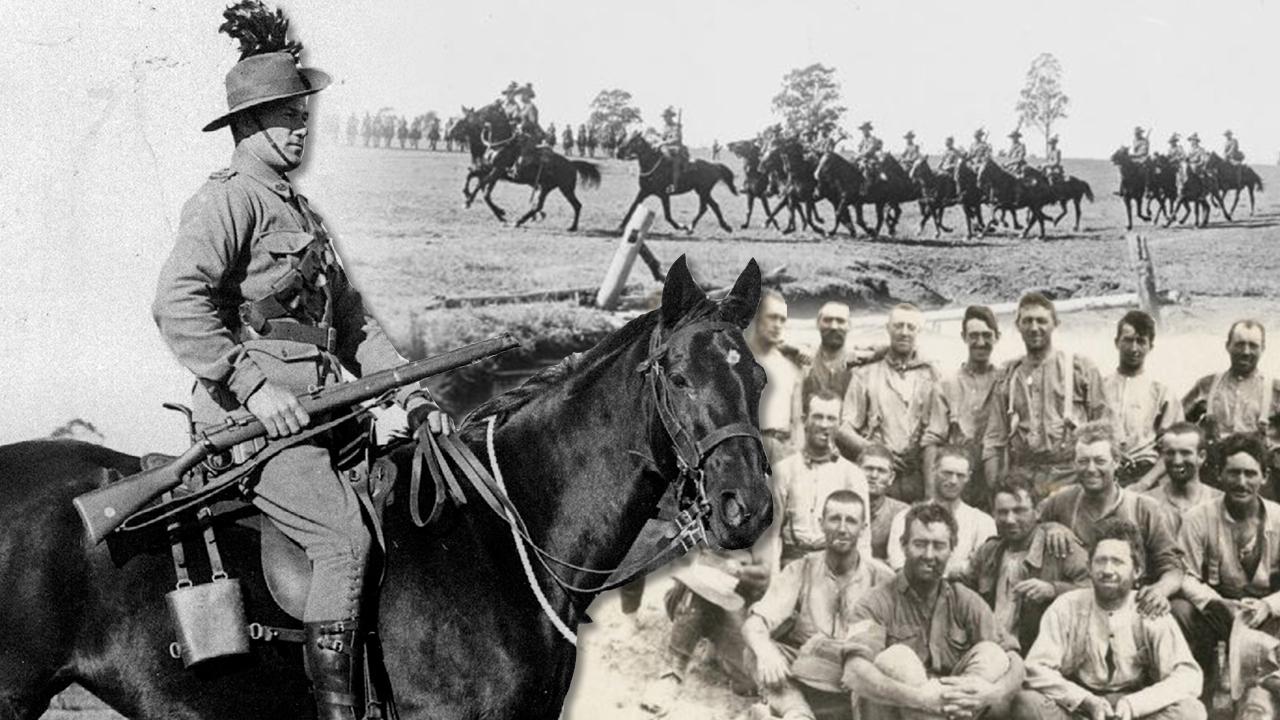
(748, 150)
(633, 146)
(1121, 157)
(707, 390)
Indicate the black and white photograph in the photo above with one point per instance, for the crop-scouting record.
(828, 360)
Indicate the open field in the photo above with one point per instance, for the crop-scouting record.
(409, 242)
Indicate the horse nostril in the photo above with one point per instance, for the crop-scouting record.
(732, 510)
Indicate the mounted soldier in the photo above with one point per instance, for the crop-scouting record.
(868, 154)
(254, 301)
(510, 107)
(672, 145)
(980, 152)
(1140, 150)
(1053, 162)
(1015, 159)
(952, 156)
(1174, 152)
(1231, 153)
(911, 152)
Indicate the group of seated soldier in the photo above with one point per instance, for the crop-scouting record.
(1031, 541)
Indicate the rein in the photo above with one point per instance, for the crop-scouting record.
(691, 453)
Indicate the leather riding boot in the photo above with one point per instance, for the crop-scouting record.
(333, 658)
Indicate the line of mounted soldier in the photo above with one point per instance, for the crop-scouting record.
(803, 170)
(1191, 180)
(1034, 540)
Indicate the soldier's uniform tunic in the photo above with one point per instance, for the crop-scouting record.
(248, 236)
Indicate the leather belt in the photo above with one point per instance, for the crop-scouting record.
(322, 337)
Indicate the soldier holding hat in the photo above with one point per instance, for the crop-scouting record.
(255, 302)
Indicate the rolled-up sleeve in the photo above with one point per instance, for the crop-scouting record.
(215, 228)
(782, 598)
(867, 636)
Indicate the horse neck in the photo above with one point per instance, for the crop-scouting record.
(582, 506)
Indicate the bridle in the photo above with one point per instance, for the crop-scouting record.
(689, 484)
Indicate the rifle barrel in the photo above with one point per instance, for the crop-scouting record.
(105, 509)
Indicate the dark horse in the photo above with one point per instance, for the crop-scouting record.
(1133, 186)
(887, 188)
(699, 176)
(1196, 188)
(1010, 192)
(1071, 189)
(755, 183)
(840, 181)
(545, 170)
(587, 449)
(1235, 177)
(789, 166)
(494, 147)
(938, 191)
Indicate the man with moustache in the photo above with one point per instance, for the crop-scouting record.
(951, 468)
(1182, 455)
(1014, 572)
(1240, 400)
(806, 613)
(888, 402)
(254, 301)
(765, 339)
(1098, 657)
(1232, 548)
(959, 413)
(1142, 407)
(927, 647)
(830, 368)
(1038, 402)
(1078, 510)
(804, 479)
(877, 466)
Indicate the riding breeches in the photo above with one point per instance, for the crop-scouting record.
(313, 506)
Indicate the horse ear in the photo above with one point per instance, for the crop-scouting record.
(679, 293)
(740, 305)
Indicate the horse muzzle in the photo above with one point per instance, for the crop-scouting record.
(737, 521)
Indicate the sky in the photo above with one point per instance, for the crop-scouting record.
(100, 106)
(938, 67)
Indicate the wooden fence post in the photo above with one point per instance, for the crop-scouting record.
(615, 279)
(1140, 260)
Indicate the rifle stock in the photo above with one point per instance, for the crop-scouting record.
(105, 509)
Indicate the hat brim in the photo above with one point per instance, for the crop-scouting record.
(711, 584)
(317, 79)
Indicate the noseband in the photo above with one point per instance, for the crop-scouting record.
(691, 451)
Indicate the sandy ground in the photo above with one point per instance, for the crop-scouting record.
(409, 242)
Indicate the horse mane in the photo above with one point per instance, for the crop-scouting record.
(578, 366)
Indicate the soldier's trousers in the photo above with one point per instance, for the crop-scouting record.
(1032, 705)
(985, 660)
(302, 494)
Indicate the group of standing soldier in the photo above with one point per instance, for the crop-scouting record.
(1037, 540)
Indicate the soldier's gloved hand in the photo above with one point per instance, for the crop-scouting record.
(277, 409)
(429, 414)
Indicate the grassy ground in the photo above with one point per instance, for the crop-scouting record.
(409, 243)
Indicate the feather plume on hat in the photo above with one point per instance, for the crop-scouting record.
(258, 29)
(267, 70)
